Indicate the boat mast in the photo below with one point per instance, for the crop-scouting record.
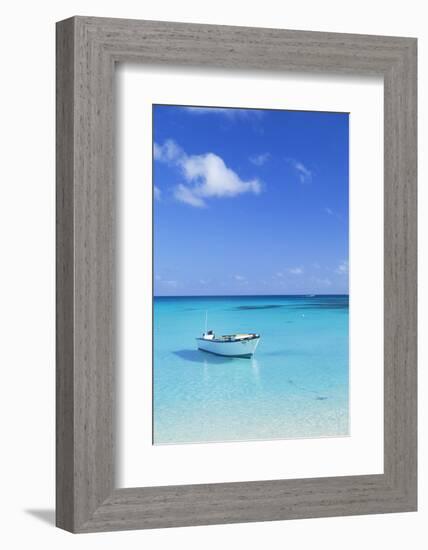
(206, 321)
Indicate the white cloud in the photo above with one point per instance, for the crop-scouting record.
(302, 171)
(331, 212)
(166, 282)
(240, 278)
(168, 152)
(184, 194)
(260, 159)
(342, 268)
(156, 193)
(213, 178)
(206, 176)
(231, 113)
(207, 110)
(322, 282)
(295, 270)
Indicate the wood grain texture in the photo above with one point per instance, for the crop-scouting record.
(64, 277)
(87, 50)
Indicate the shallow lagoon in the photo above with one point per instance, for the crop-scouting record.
(296, 385)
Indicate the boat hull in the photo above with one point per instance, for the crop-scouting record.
(239, 348)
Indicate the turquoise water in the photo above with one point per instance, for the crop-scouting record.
(295, 386)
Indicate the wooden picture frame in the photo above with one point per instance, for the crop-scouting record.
(87, 50)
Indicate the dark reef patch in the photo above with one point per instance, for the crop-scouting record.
(321, 305)
(302, 304)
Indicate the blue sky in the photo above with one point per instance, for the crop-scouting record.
(250, 201)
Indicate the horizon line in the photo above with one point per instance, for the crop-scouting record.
(305, 294)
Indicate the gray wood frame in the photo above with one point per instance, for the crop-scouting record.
(87, 50)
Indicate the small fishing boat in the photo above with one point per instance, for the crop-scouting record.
(230, 345)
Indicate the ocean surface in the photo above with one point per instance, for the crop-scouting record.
(295, 386)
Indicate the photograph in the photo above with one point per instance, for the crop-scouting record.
(250, 274)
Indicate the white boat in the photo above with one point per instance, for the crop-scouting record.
(230, 345)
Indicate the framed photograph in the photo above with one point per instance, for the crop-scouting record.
(236, 274)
